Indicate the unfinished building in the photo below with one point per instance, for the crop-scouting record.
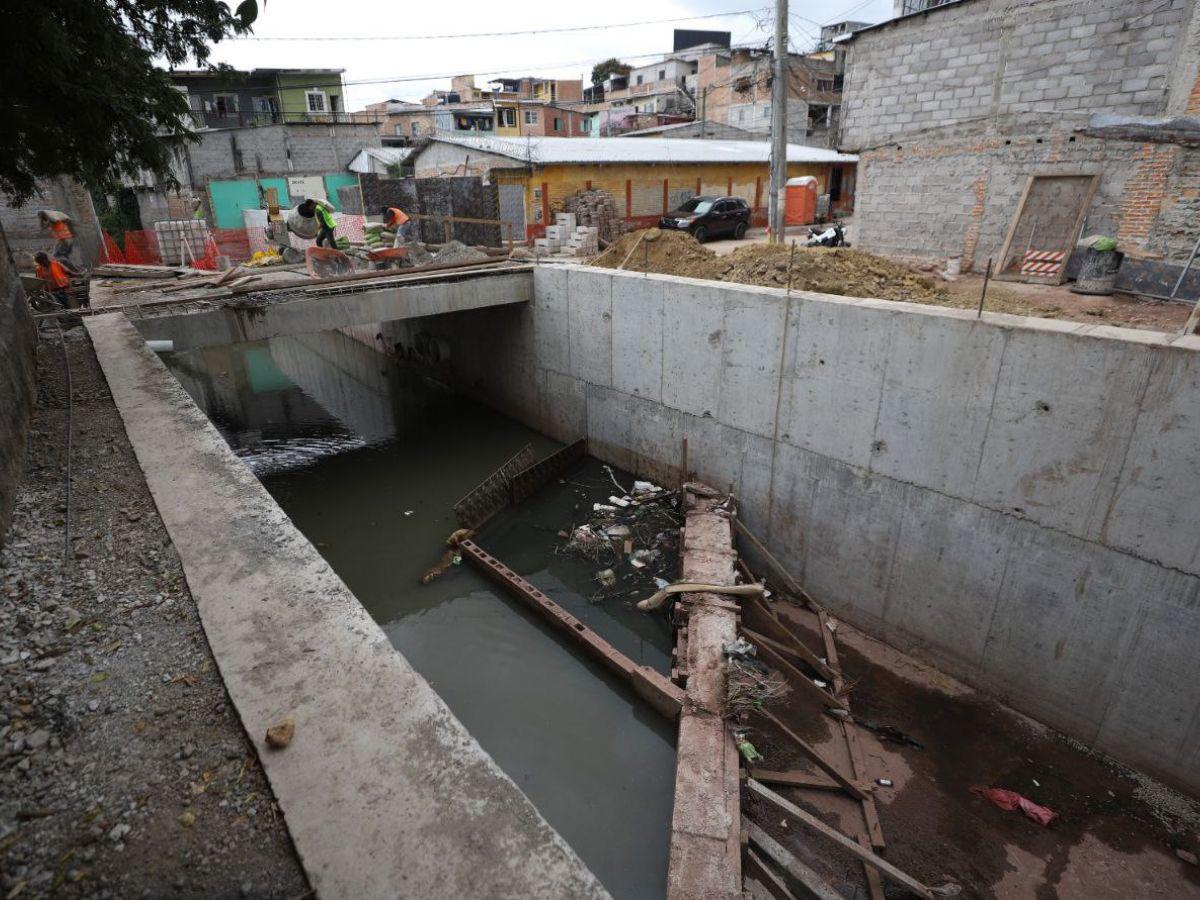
(1004, 130)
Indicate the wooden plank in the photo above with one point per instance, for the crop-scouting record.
(794, 645)
(772, 883)
(837, 837)
(858, 767)
(874, 879)
(816, 887)
(774, 658)
(780, 571)
(809, 781)
(1012, 228)
(812, 753)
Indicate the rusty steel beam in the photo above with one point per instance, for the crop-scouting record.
(653, 687)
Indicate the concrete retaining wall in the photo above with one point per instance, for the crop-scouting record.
(17, 338)
(1016, 499)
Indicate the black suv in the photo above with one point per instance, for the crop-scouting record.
(706, 217)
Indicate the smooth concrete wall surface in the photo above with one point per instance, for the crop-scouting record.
(1017, 499)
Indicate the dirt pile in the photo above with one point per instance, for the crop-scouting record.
(839, 270)
(663, 252)
(836, 270)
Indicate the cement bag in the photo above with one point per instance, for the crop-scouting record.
(302, 225)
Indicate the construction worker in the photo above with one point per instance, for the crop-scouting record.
(54, 275)
(395, 217)
(60, 226)
(323, 213)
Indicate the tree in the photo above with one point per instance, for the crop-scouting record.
(613, 66)
(81, 93)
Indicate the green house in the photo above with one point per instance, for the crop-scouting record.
(238, 98)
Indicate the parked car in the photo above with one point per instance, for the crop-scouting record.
(706, 217)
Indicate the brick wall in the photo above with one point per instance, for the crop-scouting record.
(17, 339)
(26, 236)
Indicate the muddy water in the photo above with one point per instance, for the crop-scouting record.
(367, 457)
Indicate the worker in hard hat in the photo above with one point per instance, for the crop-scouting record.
(54, 276)
(323, 213)
(60, 227)
(395, 217)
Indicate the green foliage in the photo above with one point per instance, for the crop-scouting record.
(81, 93)
(612, 66)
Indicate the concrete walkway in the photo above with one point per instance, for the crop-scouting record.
(384, 792)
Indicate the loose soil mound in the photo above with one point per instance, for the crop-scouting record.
(839, 270)
(664, 252)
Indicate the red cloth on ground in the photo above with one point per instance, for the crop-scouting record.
(1011, 800)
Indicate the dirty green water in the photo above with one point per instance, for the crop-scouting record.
(367, 457)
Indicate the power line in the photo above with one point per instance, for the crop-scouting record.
(486, 34)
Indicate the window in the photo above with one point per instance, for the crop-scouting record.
(638, 80)
(531, 117)
(263, 104)
(315, 101)
(662, 73)
(697, 205)
(225, 104)
(416, 129)
(586, 126)
(766, 111)
(400, 130)
(557, 124)
(508, 117)
(823, 85)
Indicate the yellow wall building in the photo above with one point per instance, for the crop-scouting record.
(646, 177)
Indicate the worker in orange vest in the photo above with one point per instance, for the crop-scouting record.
(54, 275)
(60, 226)
(395, 217)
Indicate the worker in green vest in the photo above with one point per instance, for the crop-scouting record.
(323, 213)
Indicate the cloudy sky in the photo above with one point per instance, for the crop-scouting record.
(360, 37)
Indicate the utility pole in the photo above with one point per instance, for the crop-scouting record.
(779, 91)
(704, 112)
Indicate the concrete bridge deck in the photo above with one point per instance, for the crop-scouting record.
(290, 304)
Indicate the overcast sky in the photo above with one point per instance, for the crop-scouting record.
(409, 69)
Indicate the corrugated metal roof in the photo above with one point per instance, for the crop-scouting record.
(389, 156)
(598, 151)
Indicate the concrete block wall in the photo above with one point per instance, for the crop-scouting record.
(1012, 58)
(25, 234)
(955, 197)
(276, 150)
(1016, 499)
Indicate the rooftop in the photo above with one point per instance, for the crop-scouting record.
(551, 150)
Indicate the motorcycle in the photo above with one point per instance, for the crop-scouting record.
(833, 236)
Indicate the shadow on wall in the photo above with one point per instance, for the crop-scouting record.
(17, 339)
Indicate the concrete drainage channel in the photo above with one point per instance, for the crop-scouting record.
(948, 483)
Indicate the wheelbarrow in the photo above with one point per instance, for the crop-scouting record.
(323, 262)
(390, 257)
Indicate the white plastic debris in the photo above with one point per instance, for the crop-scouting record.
(617, 501)
(819, 683)
(645, 487)
(661, 583)
(603, 507)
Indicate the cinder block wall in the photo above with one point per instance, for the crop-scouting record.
(25, 234)
(1015, 499)
(953, 110)
(277, 150)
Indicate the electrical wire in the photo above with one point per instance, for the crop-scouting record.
(486, 34)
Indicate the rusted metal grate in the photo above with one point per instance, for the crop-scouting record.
(493, 493)
(529, 481)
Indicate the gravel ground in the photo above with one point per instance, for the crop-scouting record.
(124, 771)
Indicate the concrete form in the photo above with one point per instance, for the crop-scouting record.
(1014, 498)
(383, 790)
(706, 823)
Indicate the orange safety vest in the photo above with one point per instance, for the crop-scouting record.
(55, 274)
(61, 231)
(396, 216)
